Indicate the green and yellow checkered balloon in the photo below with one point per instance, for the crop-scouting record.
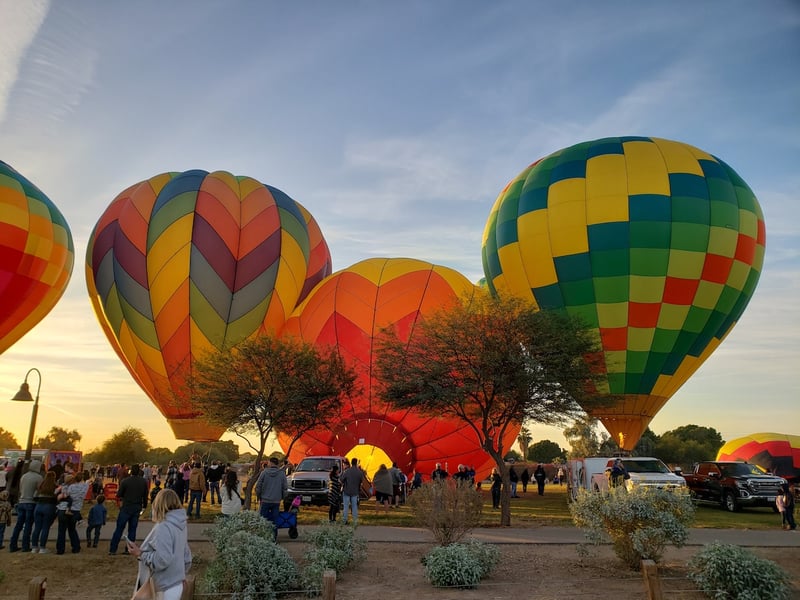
(655, 244)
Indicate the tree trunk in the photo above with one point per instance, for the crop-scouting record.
(505, 499)
(248, 493)
(505, 490)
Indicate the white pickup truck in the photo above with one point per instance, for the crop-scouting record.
(592, 474)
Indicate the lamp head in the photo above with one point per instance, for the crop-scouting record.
(24, 393)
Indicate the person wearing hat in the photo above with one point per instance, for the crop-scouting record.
(618, 473)
(26, 507)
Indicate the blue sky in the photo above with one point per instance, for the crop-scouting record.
(396, 125)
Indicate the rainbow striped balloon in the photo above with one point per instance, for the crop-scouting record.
(36, 256)
(657, 245)
(185, 263)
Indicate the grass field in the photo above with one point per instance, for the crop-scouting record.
(530, 510)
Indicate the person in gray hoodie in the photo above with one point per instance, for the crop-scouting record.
(164, 555)
(26, 506)
(271, 487)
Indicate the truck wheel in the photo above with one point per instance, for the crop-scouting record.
(730, 503)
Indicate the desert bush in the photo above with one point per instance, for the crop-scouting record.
(221, 533)
(331, 546)
(727, 572)
(248, 564)
(447, 509)
(460, 565)
(640, 523)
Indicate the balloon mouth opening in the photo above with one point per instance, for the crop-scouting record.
(364, 437)
(195, 429)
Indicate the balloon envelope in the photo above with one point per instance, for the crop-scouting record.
(186, 263)
(347, 311)
(655, 244)
(320, 264)
(778, 453)
(36, 255)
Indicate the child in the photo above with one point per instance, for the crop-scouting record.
(5, 516)
(155, 490)
(97, 518)
(97, 485)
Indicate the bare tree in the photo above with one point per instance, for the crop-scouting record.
(582, 437)
(266, 385)
(493, 364)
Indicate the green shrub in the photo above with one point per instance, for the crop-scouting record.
(224, 528)
(447, 509)
(640, 523)
(727, 572)
(460, 565)
(248, 564)
(331, 546)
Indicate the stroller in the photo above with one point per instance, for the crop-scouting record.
(287, 519)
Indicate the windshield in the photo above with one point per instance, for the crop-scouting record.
(317, 464)
(740, 469)
(645, 466)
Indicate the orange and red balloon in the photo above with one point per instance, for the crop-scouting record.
(347, 312)
(36, 255)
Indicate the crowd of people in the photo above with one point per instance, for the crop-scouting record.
(43, 499)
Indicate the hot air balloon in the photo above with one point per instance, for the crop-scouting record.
(778, 453)
(320, 264)
(185, 263)
(655, 244)
(347, 311)
(36, 256)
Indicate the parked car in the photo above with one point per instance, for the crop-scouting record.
(310, 478)
(733, 484)
(592, 474)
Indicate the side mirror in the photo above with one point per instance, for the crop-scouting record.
(713, 474)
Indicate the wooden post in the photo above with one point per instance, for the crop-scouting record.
(652, 583)
(37, 587)
(329, 585)
(188, 588)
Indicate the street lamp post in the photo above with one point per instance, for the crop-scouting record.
(24, 395)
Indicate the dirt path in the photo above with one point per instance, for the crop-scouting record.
(391, 572)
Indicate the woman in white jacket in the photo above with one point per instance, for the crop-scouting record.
(231, 494)
(164, 554)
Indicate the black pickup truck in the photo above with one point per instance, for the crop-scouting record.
(733, 485)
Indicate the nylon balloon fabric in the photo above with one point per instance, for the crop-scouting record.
(778, 453)
(182, 264)
(347, 311)
(655, 244)
(36, 255)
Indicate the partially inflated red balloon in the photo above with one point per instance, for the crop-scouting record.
(347, 311)
(778, 453)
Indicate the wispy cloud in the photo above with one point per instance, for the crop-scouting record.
(21, 22)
